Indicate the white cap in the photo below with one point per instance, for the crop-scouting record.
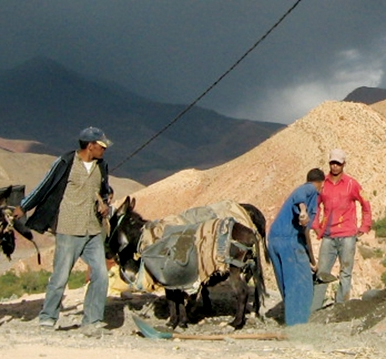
(337, 155)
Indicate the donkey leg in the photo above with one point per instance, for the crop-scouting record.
(173, 309)
(259, 284)
(241, 289)
(194, 309)
(177, 311)
(206, 302)
(183, 316)
(260, 290)
(256, 296)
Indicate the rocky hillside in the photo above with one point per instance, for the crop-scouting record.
(266, 175)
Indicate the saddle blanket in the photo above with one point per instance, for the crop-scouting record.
(186, 255)
(153, 231)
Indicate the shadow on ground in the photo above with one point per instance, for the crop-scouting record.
(25, 310)
(371, 309)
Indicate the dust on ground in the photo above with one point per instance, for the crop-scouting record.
(355, 329)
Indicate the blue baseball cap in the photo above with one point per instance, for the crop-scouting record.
(94, 134)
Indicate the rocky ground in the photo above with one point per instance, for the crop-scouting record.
(354, 330)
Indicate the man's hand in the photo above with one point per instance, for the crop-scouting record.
(18, 212)
(303, 219)
(314, 267)
(103, 209)
(359, 235)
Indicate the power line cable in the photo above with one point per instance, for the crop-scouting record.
(210, 88)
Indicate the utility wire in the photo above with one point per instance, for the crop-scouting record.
(210, 88)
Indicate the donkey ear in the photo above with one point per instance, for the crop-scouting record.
(132, 203)
(122, 205)
(127, 205)
(4, 196)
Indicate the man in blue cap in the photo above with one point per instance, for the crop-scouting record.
(65, 203)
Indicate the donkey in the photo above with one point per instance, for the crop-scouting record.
(127, 226)
(8, 226)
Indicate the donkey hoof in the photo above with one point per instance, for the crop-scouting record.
(236, 325)
(170, 324)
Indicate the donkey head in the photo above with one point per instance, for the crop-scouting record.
(126, 229)
(8, 225)
(7, 235)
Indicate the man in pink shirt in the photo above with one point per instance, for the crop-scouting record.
(336, 223)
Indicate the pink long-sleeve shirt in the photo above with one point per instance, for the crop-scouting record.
(337, 216)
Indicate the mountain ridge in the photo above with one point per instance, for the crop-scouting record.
(43, 101)
(367, 95)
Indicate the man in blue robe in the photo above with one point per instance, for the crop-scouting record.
(290, 248)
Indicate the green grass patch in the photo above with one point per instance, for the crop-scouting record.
(77, 279)
(31, 282)
(379, 227)
(378, 253)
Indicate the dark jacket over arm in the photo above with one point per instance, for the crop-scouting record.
(46, 197)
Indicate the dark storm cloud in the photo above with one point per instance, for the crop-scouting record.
(172, 50)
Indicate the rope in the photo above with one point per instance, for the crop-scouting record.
(210, 88)
(120, 219)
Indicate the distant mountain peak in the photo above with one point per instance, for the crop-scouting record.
(366, 95)
(42, 66)
(41, 62)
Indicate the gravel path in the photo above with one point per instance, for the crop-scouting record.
(20, 336)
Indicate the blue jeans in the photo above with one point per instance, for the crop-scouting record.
(293, 274)
(331, 249)
(67, 251)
